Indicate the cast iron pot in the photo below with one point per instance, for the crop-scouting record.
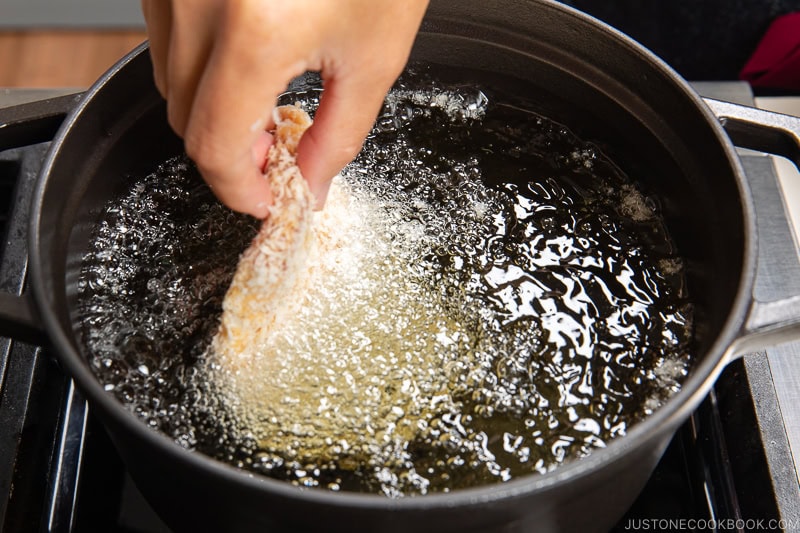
(663, 134)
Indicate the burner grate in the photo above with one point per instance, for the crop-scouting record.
(9, 170)
(32, 388)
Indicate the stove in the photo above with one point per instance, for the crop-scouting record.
(733, 466)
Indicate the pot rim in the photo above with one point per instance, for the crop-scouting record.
(676, 409)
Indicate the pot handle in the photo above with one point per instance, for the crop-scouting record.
(760, 130)
(23, 125)
(777, 321)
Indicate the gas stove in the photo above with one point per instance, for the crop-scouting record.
(733, 465)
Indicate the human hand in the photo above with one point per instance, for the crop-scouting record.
(222, 64)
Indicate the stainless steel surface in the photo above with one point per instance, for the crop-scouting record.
(784, 361)
(778, 274)
(789, 174)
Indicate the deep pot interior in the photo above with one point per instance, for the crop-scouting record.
(605, 94)
(670, 152)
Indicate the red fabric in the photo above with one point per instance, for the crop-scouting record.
(776, 61)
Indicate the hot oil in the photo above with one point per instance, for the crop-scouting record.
(502, 299)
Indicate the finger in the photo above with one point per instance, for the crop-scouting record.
(355, 87)
(232, 106)
(345, 116)
(260, 149)
(189, 49)
(158, 16)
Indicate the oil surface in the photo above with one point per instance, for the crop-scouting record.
(500, 299)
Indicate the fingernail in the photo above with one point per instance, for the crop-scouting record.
(261, 210)
(321, 194)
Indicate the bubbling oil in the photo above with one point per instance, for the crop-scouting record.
(501, 299)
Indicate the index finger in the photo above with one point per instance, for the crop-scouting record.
(232, 107)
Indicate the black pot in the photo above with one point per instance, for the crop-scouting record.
(587, 71)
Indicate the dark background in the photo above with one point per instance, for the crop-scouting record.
(701, 39)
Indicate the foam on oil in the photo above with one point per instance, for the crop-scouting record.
(496, 298)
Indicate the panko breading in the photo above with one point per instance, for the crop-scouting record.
(267, 270)
(331, 347)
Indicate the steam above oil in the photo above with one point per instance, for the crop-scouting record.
(501, 299)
